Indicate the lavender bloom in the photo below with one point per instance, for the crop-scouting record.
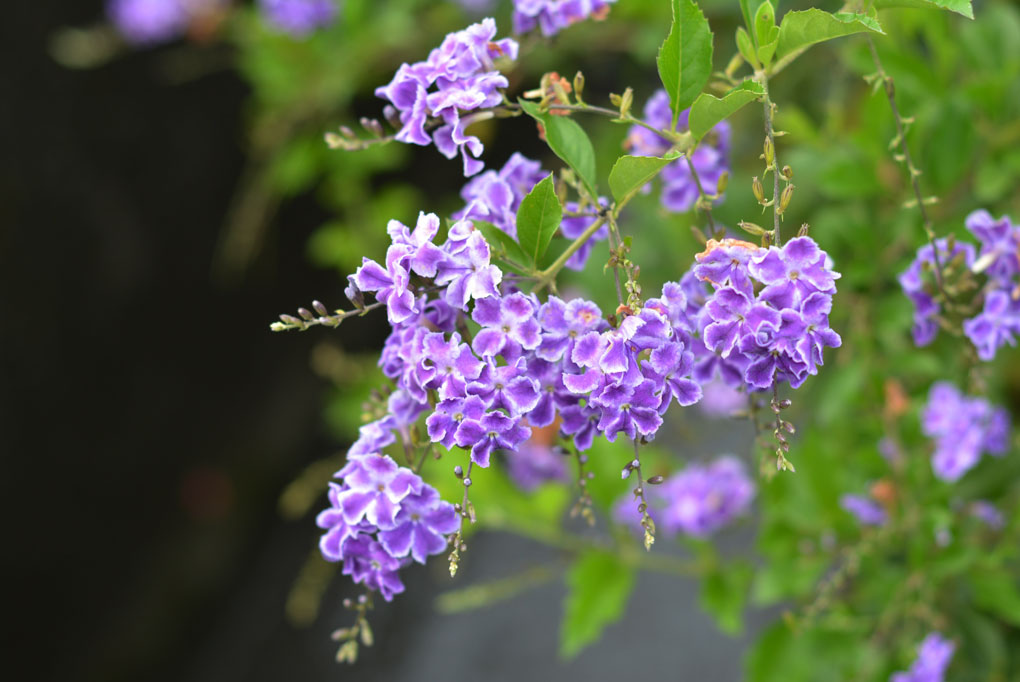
(506, 388)
(488, 432)
(552, 16)
(447, 366)
(495, 197)
(462, 72)
(368, 562)
(697, 501)
(374, 487)
(672, 365)
(791, 274)
(298, 17)
(563, 323)
(418, 254)
(996, 325)
(580, 422)
(963, 428)
(679, 191)
(988, 513)
(148, 22)
(534, 464)
(926, 308)
(933, 657)
(509, 326)
(629, 410)
(999, 257)
(864, 509)
(390, 284)
(421, 526)
(467, 274)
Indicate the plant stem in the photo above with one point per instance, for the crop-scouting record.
(770, 134)
(548, 276)
(707, 203)
(901, 135)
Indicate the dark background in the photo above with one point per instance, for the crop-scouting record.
(150, 420)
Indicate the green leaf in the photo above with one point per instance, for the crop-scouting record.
(997, 592)
(766, 32)
(723, 595)
(568, 141)
(746, 47)
(685, 58)
(538, 218)
(959, 6)
(598, 586)
(800, 30)
(631, 173)
(503, 245)
(708, 110)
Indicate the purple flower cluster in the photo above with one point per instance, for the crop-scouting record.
(864, 509)
(299, 17)
(149, 22)
(381, 517)
(495, 197)
(534, 464)
(998, 259)
(964, 428)
(766, 318)
(458, 77)
(697, 501)
(679, 190)
(933, 657)
(552, 16)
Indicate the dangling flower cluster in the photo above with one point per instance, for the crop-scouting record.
(495, 197)
(149, 22)
(933, 657)
(381, 517)
(964, 428)
(679, 189)
(552, 16)
(998, 259)
(697, 501)
(458, 77)
(299, 17)
(767, 318)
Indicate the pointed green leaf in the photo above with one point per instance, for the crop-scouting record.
(538, 218)
(685, 58)
(631, 173)
(707, 111)
(746, 47)
(568, 141)
(598, 587)
(800, 30)
(503, 246)
(959, 6)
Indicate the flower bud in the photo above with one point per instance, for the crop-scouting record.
(769, 153)
(306, 314)
(724, 180)
(784, 199)
(320, 308)
(787, 173)
(751, 228)
(578, 85)
(758, 190)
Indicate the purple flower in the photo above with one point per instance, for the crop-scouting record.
(926, 308)
(421, 526)
(507, 388)
(447, 366)
(573, 227)
(1000, 247)
(487, 432)
(534, 464)
(988, 513)
(495, 197)
(374, 487)
(464, 79)
(390, 284)
(368, 562)
(298, 17)
(933, 657)
(963, 428)
(864, 509)
(467, 274)
(552, 16)
(720, 400)
(509, 326)
(633, 411)
(733, 316)
(672, 365)
(148, 22)
(563, 323)
(580, 422)
(679, 191)
(793, 273)
(337, 529)
(724, 264)
(996, 325)
(419, 254)
(697, 501)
